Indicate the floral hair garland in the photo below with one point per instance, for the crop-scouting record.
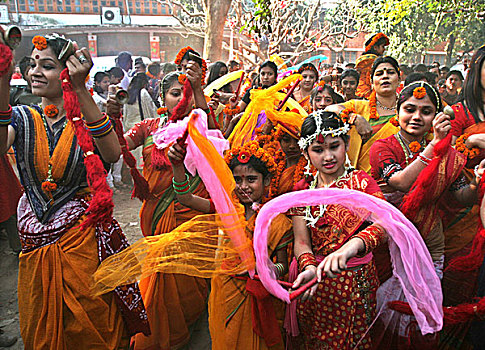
(40, 43)
(305, 142)
(252, 149)
(375, 39)
(461, 146)
(308, 66)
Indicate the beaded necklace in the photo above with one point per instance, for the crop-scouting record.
(408, 154)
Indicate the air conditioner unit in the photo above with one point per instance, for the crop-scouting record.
(4, 14)
(111, 15)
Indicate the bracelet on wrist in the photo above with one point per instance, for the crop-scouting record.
(280, 269)
(6, 116)
(180, 184)
(305, 260)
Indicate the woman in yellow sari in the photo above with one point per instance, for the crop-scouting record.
(310, 76)
(377, 111)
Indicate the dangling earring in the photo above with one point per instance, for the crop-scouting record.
(348, 164)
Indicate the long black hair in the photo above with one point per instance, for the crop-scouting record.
(139, 82)
(98, 78)
(472, 88)
(214, 71)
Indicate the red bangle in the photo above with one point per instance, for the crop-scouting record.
(6, 113)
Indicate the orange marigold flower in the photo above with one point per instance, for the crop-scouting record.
(419, 92)
(415, 146)
(182, 78)
(48, 186)
(394, 121)
(181, 54)
(373, 106)
(162, 110)
(51, 111)
(40, 43)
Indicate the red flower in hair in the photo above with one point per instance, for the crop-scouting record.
(40, 43)
(419, 92)
(181, 54)
(243, 157)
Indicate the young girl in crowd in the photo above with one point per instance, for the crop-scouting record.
(232, 318)
(332, 240)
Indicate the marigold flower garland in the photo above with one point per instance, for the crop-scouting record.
(180, 56)
(345, 114)
(182, 78)
(253, 150)
(373, 106)
(40, 43)
(162, 110)
(461, 146)
(394, 121)
(231, 111)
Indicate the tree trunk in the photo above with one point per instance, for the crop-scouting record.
(215, 14)
(449, 49)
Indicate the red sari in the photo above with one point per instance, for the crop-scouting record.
(173, 301)
(339, 314)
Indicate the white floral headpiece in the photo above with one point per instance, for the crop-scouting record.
(305, 142)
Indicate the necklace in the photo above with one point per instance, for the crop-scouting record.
(386, 108)
(322, 207)
(408, 154)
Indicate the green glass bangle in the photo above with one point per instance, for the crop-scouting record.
(180, 184)
(182, 192)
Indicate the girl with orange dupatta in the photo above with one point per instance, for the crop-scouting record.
(174, 301)
(335, 313)
(241, 312)
(310, 76)
(426, 172)
(377, 111)
(64, 217)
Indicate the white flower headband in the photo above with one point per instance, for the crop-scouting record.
(305, 142)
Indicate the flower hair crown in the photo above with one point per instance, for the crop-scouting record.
(308, 66)
(305, 142)
(252, 149)
(180, 56)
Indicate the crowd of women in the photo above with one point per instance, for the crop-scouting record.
(370, 129)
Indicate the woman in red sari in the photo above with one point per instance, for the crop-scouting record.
(174, 301)
(403, 159)
(336, 312)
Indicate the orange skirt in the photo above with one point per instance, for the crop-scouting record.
(56, 308)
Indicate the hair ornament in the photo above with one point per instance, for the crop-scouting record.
(305, 142)
(422, 85)
(419, 92)
(40, 43)
(252, 149)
